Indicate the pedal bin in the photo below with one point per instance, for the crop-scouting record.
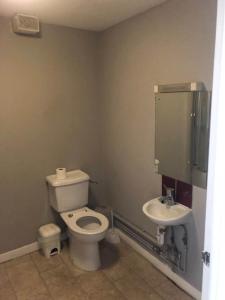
(49, 239)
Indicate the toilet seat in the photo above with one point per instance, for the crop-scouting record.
(98, 223)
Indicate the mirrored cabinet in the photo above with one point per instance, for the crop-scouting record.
(182, 119)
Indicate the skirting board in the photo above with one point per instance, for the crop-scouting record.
(183, 284)
(19, 252)
(24, 250)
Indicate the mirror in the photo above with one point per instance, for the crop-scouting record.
(182, 117)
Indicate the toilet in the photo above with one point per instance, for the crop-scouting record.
(86, 227)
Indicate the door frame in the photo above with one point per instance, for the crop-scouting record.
(213, 287)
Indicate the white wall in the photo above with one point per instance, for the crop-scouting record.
(52, 97)
(171, 43)
(49, 118)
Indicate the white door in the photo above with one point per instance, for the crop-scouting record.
(214, 274)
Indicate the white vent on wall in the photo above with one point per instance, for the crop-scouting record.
(25, 24)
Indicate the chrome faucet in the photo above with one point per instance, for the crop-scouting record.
(169, 198)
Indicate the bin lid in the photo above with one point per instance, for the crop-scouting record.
(72, 177)
(49, 230)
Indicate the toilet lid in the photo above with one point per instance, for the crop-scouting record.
(85, 221)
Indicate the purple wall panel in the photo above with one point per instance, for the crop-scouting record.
(183, 192)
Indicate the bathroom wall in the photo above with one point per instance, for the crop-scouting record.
(85, 100)
(171, 43)
(48, 118)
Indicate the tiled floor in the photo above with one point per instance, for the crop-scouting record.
(124, 275)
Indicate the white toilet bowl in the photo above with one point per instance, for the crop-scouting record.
(86, 228)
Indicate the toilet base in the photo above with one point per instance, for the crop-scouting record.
(84, 255)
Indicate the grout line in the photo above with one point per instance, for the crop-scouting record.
(43, 281)
(113, 283)
(9, 280)
(155, 288)
(129, 269)
(52, 269)
(182, 284)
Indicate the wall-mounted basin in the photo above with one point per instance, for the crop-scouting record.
(162, 214)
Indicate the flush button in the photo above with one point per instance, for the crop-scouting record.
(70, 215)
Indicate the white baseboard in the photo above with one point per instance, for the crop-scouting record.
(183, 284)
(25, 250)
(19, 252)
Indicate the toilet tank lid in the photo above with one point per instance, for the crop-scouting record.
(72, 177)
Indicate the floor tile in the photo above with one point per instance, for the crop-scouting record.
(25, 279)
(170, 291)
(18, 260)
(116, 271)
(6, 290)
(133, 288)
(94, 281)
(44, 264)
(62, 285)
(4, 280)
(153, 276)
(124, 249)
(154, 296)
(111, 294)
(57, 276)
(124, 275)
(144, 269)
(45, 296)
(7, 293)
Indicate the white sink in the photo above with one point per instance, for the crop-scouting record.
(162, 214)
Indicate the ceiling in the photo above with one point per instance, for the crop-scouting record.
(85, 14)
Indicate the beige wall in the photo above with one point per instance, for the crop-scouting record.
(171, 43)
(48, 118)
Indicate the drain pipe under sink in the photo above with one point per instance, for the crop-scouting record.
(160, 234)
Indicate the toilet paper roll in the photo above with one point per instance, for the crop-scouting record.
(61, 173)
